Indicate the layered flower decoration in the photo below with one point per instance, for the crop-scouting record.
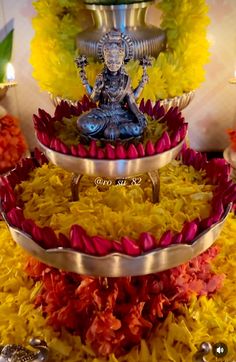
(60, 133)
(19, 207)
(177, 70)
(197, 308)
(113, 315)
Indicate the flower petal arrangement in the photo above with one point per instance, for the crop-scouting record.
(88, 225)
(177, 70)
(113, 315)
(60, 133)
(203, 311)
(12, 143)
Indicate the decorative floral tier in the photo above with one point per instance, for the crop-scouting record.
(116, 312)
(121, 231)
(102, 241)
(201, 305)
(122, 219)
(176, 71)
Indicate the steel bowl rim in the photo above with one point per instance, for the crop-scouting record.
(115, 256)
(104, 161)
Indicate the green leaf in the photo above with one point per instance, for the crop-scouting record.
(5, 53)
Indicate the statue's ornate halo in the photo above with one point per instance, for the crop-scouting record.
(128, 43)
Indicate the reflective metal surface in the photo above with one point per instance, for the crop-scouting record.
(111, 168)
(4, 88)
(230, 157)
(18, 353)
(155, 180)
(153, 176)
(118, 265)
(180, 101)
(131, 20)
(204, 350)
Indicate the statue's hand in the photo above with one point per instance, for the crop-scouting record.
(83, 77)
(145, 79)
(99, 82)
(141, 120)
(81, 61)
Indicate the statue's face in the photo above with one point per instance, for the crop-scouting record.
(114, 57)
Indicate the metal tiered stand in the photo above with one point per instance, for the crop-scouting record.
(112, 90)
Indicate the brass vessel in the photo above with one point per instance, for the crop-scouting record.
(130, 19)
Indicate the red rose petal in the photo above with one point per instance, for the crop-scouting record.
(148, 108)
(142, 106)
(63, 241)
(110, 152)
(166, 238)
(166, 140)
(100, 154)
(49, 237)
(130, 247)
(88, 244)
(117, 246)
(149, 149)
(120, 152)
(27, 226)
(16, 216)
(82, 152)
(92, 151)
(132, 152)
(76, 240)
(177, 238)
(102, 246)
(74, 150)
(159, 146)
(147, 241)
(141, 150)
(189, 231)
(64, 148)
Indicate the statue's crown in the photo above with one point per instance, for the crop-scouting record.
(115, 40)
(114, 43)
(114, 36)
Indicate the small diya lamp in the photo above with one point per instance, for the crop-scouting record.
(10, 80)
(233, 79)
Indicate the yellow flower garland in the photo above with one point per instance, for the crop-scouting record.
(177, 70)
(175, 339)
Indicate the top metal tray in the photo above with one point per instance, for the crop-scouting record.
(111, 168)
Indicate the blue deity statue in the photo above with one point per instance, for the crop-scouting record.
(117, 115)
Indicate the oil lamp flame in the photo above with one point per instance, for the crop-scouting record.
(233, 80)
(10, 73)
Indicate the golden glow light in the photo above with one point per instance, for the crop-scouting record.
(10, 72)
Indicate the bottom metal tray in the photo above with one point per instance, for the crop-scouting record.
(119, 265)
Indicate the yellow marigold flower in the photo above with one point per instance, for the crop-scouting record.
(117, 211)
(175, 339)
(175, 71)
